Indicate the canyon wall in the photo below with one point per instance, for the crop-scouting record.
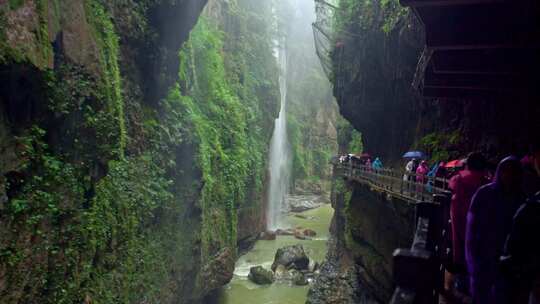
(366, 229)
(374, 55)
(133, 149)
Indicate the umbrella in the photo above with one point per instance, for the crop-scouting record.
(454, 163)
(413, 154)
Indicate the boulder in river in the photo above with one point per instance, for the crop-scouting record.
(281, 273)
(310, 232)
(313, 266)
(292, 257)
(298, 278)
(301, 203)
(299, 235)
(267, 236)
(285, 232)
(260, 276)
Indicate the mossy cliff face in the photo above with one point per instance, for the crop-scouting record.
(379, 44)
(108, 192)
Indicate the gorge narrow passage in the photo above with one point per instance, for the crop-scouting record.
(299, 172)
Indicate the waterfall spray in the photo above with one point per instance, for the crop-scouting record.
(280, 165)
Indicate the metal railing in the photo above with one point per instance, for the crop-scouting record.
(418, 270)
(408, 186)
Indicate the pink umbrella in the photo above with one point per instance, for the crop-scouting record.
(454, 163)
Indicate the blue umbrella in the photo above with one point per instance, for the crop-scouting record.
(413, 154)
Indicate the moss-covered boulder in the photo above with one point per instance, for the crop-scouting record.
(292, 257)
(260, 276)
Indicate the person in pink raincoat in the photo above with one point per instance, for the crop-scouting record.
(421, 172)
(464, 185)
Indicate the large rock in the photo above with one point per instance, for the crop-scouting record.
(281, 273)
(261, 276)
(299, 235)
(301, 203)
(298, 278)
(310, 232)
(334, 286)
(268, 236)
(288, 231)
(292, 257)
(313, 266)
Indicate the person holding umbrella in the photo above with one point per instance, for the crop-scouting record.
(412, 165)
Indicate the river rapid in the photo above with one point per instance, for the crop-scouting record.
(242, 291)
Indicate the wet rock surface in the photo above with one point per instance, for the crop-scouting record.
(338, 282)
(309, 232)
(359, 261)
(285, 232)
(268, 236)
(218, 272)
(260, 276)
(301, 203)
(291, 257)
(333, 287)
(298, 278)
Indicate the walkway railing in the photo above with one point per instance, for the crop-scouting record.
(410, 187)
(418, 270)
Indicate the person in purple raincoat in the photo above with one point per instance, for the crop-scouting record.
(489, 222)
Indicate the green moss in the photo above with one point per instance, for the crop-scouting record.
(107, 40)
(104, 248)
(15, 4)
(37, 52)
(349, 138)
(357, 15)
(441, 146)
(44, 48)
(112, 228)
(216, 122)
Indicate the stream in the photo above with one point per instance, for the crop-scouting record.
(241, 291)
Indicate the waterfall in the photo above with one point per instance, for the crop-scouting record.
(280, 165)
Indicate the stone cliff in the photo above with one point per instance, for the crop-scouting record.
(132, 152)
(374, 61)
(366, 229)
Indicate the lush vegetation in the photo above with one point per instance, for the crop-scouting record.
(112, 200)
(224, 126)
(441, 146)
(354, 16)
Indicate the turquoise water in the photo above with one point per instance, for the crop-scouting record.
(243, 291)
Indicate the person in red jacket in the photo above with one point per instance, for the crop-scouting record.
(463, 186)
